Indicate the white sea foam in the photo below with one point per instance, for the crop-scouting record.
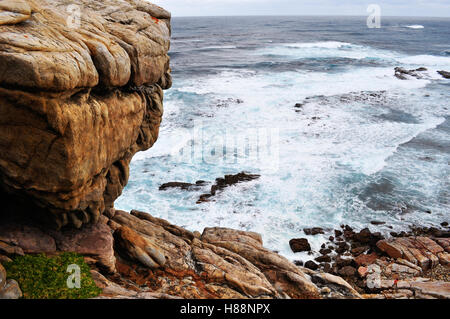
(330, 49)
(219, 47)
(329, 151)
(325, 45)
(415, 26)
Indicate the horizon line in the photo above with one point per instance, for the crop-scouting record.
(303, 15)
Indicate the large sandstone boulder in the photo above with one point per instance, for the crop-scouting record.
(80, 93)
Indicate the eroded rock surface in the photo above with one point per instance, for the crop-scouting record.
(80, 93)
(219, 263)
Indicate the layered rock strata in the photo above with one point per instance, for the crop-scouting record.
(139, 256)
(81, 91)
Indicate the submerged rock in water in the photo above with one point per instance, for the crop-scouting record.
(299, 245)
(401, 73)
(444, 74)
(227, 181)
(314, 231)
(77, 102)
(183, 186)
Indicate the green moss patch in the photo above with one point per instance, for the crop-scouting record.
(43, 277)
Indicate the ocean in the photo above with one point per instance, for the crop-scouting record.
(312, 105)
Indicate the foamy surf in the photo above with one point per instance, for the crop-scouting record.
(415, 26)
(355, 125)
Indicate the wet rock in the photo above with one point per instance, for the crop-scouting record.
(444, 74)
(444, 224)
(348, 228)
(228, 180)
(342, 247)
(323, 259)
(363, 236)
(365, 260)
(228, 102)
(347, 271)
(359, 250)
(338, 233)
(401, 73)
(377, 223)
(311, 265)
(327, 267)
(299, 245)
(313, 231)
(183, 186)
(342, 262)
(325, 251)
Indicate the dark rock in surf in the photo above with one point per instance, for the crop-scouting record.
(227, 181)
(444, 74)
(311, 265)
(401, 73)
(347, 271)
(323, 259)
(313, 231)
(183, 186)
(299, 245)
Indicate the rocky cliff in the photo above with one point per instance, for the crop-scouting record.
(81, 90)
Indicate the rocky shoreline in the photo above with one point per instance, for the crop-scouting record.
(414, 264)
(144, 257)
(77, 102)
(141, 256)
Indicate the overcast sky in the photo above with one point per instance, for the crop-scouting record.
(432, 8)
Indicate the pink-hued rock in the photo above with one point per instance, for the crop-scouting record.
(30, 239)
(362, 271)
(95, 241)
(390, 248)
(422, 251)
